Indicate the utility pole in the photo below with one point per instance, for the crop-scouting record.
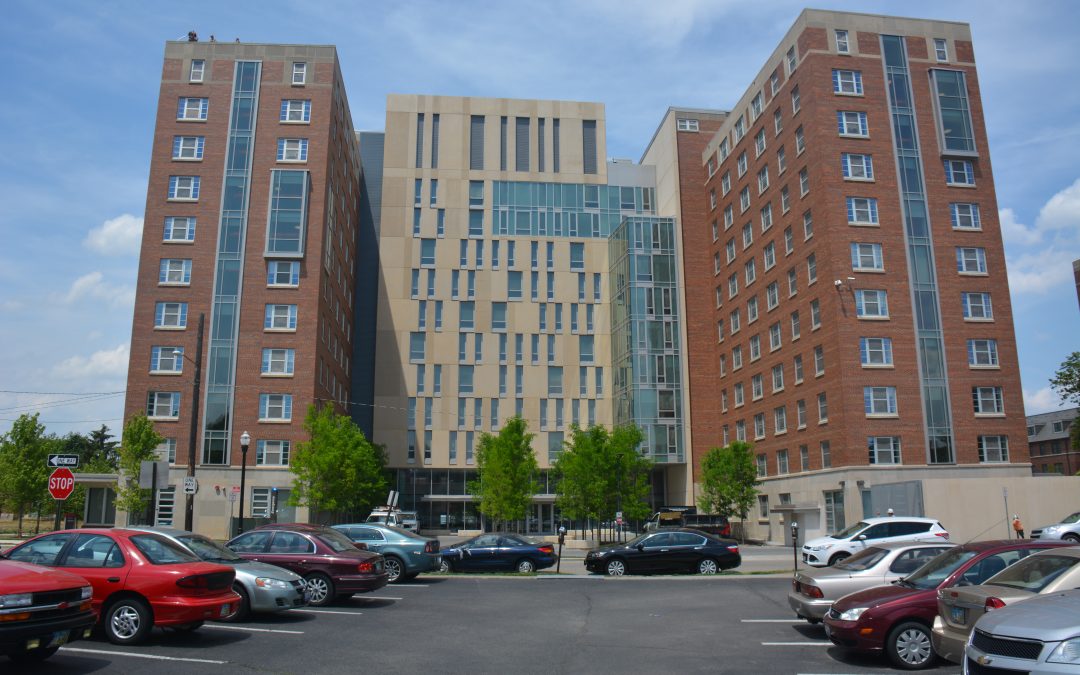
(189, 512)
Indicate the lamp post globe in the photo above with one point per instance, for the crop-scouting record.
(245, 441)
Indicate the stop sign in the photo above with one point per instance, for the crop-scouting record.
(61, 484)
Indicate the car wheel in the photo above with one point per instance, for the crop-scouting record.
(1072, 538)
(243, 608)
(34, 655)
(909, 646)
(615, 567)
(526, 566)
(707, 566)
(394, 568)
(128, 621)
(445, 567)
(839, 557)
(320, 588)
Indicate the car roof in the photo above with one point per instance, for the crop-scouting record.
(1069, 551)
(1007, 544)
(309, 528)
(157, 529)
(886, 519)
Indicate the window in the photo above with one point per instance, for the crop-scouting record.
(815, 314)
(712, 199)
(741, 165)
(725, 183)
(174, 272)
(183, 188)
(467, 316)
(797, 367)
(819, 360)
(875, 352)
(577, 257)
(729, 216)
(804, 182)
(585, 348)
(792, 62)
(756, 106)
(292, 150)
(988, 400)
(197, 70)
(994, 449)
(862, 211)
(686, 125)
(789, 241)
(750, 271)
(884, 449)
(759, 143)
(811, 268)
(965, 216)
(188, 147)
(796, 329)
(167, 359)
(778, 122)
(796, 102)
(971, 260)
(740, 128)
(982, 353)
(752, 310)
(759, 427)
(299, 73)
(295, 110)
(769, 256)
(800, 141)
(763, 179)
(800, 415)
(733, 285)
(852, 123)
(772, 295)
(740, 395)
(747, 236)
(780, 427)
(417, 345)
(871, 304)
(170, 315)
(778, 377)
(959, 172)
(781, 160)
(163, 405)
(755, 352)
(736, 358)
(977, 306)
(427, 252)
(272, 453)
(866, 257)
(179, 229)
(822, 410)
(275, 407)
(879, 400)
(588, 147)
(434, 197)
(283, 273)
(724, 150)
(278, 361)
(513, 285)
(465, 383)
(716, 263)
(730, 249)
(842, 45)
(847, 82)
(792, 282)
(857, 167)
(941, 51)
(192, 108)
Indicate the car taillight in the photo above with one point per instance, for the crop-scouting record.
(943, 535)
(993, 603)
(431, 547)
(195, 581)
(733, 548)
(812, 591)
(366, 567)
(547, 549)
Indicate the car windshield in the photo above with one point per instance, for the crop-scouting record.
(847, 532)
(335, 540)
(1070, 519)
(938, 569)
(160, 551)
(1033, 573)
(863, 560)
(207, 549)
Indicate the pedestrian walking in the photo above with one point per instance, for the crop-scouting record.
(1018, 527)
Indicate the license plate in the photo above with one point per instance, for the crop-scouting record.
(225, 610)
(59, 638)
(958, 615)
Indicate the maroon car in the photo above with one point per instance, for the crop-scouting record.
(898, 618)
(332, 565)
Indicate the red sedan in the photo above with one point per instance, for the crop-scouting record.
(897, 618)
(140, 579)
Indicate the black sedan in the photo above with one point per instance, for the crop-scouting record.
(498, 551)
(674, 550)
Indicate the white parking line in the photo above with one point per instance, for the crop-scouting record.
(771, 620)
(256, 630)
(413, 586)
(326, 611)
(376, 597)
(797, 644)
(138, 656)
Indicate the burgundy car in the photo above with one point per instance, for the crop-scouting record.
(40, 610)
(897, 618)
(332, 565)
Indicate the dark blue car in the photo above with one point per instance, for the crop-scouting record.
(498, 551)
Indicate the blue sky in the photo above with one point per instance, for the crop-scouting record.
(84, 78)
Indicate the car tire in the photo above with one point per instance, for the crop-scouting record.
(909, 646)
(34, 655)
(525, 566)
(243, 607)
(321, 589)
(616, 567)
(839, 557)
(445, 566)
(395, 568)
(1071, 538)
(127, 621)
(707, 566)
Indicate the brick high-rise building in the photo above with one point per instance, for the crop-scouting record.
(251, 220)
(861, 324)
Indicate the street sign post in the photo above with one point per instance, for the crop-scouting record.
(191, 486)
(70, 461)
(61, 484)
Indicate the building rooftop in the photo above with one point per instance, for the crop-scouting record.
(1052, 425)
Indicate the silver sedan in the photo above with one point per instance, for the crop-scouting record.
(813, 591)
(1040, 636)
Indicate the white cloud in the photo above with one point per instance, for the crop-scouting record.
(93, 285)
(111, 363)
(118, 236)
(10, 305)
(1062, 212)
(1040, 271)
(1041, 400)
(1057, 228)
(1014, 232)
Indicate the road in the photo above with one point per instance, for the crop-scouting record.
(505, 624)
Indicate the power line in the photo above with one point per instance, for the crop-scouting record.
(111, 419)
(61, 393)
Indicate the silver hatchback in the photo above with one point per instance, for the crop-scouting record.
(814, 591)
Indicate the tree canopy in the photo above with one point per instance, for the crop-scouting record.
(24, 473)
(139, 442)
(508, 473)
(729, 480)
(338, 470)
(600, 472)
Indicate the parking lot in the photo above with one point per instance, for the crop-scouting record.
(505, 624)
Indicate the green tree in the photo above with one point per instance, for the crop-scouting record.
(508, 470)
(97, 454)
(139, 443)
(729, 480)
(338, 471)
(24, 473)
(1066, 382)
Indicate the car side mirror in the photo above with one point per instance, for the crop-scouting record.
(640, 547)
(861, 537)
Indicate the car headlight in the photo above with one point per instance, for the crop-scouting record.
(16, 600)
(1066, 652)
(267, 582)
(821, 547)
(852, 614)
(87, 593)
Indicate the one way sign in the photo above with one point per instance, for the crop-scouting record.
(70, 461)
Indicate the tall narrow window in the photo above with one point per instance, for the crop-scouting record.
(521, 143)
(198, 68)
(419, 140)
(541, 127)
(502, 143)
(434, 142)
(588, 146)
(555, 145)
(476, 143)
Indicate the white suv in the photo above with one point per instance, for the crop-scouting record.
(833, 548)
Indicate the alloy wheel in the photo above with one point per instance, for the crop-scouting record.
(616, 568)
(708, 566)
(913, 647)
(125, 621)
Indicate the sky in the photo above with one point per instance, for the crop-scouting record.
(84, 78)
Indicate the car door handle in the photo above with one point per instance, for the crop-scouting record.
(113, 580)
(665, 550)
(303, 562)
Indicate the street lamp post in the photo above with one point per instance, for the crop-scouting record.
(245, 441)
